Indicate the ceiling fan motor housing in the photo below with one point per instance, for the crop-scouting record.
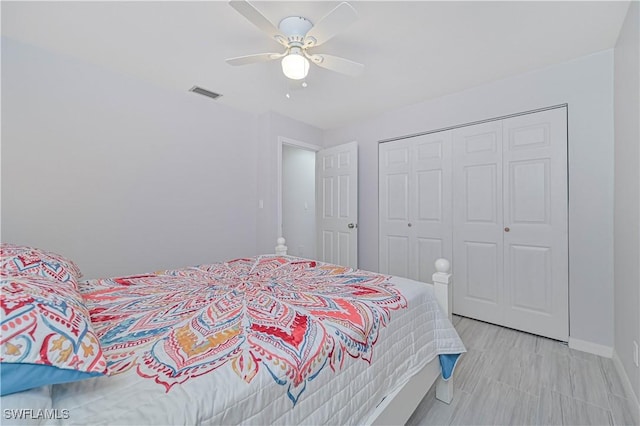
(295, 28)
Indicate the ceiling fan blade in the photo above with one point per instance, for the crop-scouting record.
(335, 63)
(253, 59)
(331, 24)
(256, 17)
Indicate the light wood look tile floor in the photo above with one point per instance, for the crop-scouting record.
(509, 377)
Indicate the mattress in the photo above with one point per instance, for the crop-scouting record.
(287, 341)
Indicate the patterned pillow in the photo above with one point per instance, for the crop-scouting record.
(47, 337)
(21, 260)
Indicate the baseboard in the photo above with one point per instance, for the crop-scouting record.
(626, 382)
(592, 348)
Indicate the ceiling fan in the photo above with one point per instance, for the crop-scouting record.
(298, 34)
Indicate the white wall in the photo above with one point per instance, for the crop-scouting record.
(627, 193)
(585, 84)
(120, 175)
(270, 127)
(299, 201)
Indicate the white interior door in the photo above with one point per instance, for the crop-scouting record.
(337, 204)
(535, 223)
(477, 221)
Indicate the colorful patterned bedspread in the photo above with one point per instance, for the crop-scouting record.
(285, 317)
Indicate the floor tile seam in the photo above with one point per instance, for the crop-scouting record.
(583, 359)
(573, 391)
(616, 378)
(610, 391)
(496, 379)
(517, 351)
(590, 403)
(450, 415)
(480, 376)
(627, 400)
(560, 351)
(514, 387)
(609, 405)
(607, 412)
(613, 421)
(519, 380)
(538, 395)
(570, 353)
(544, 388)
(462, 407)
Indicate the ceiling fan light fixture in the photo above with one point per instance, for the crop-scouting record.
(298, 34)
(295, 66)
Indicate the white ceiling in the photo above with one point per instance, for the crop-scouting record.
(412, 51)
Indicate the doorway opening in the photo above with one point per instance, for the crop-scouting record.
(297, 196)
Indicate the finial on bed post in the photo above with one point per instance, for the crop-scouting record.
(442, 281)
(281, 249)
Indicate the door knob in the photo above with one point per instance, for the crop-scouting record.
(409, 224)
(507, 229)
(351, 225)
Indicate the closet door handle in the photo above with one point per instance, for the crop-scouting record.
(409, 224)
(507, 229)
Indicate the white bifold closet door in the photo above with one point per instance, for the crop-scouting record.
(510, 227)
(415, 205)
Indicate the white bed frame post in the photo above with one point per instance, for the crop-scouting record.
(281, 248)
(442, 281)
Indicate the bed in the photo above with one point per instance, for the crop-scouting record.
(270, 339)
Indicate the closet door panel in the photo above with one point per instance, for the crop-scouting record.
(536, 246)
(327, 245)
(477, 221)
(429, 196)
(530, 278)
(397, 260)
(431, 210)
(428, 248)
(480, 194)
(481, 273)
(529, 200)
(394, 189)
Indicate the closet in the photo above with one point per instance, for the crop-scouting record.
(493, 198)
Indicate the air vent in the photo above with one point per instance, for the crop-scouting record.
(205, 92)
